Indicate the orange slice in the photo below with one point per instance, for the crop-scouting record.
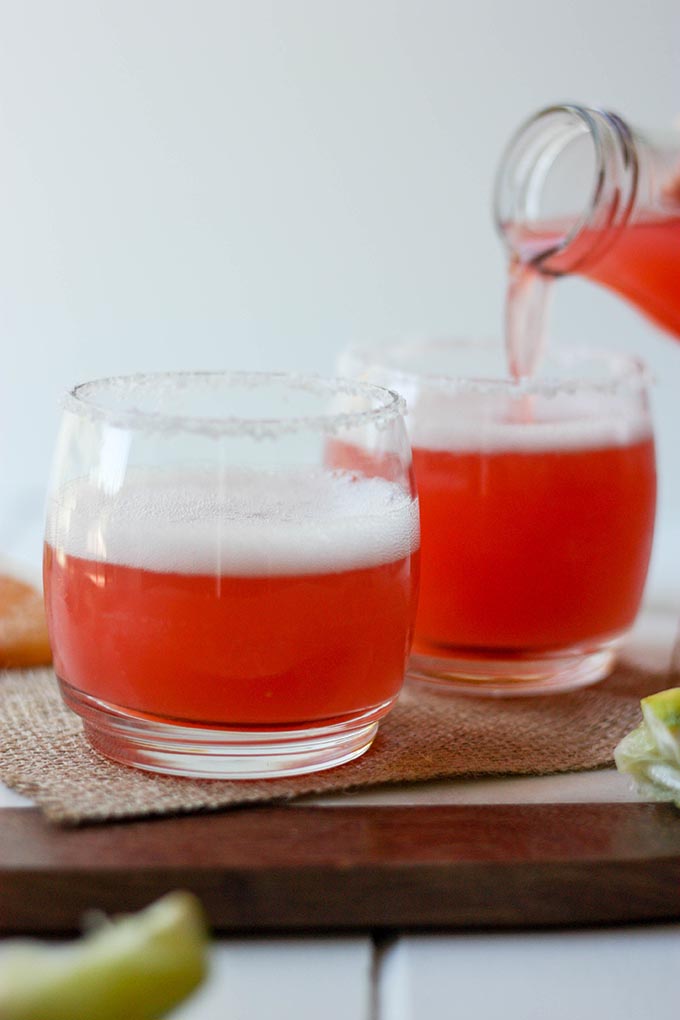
(23, 630)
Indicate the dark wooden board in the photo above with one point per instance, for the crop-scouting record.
(353, 868)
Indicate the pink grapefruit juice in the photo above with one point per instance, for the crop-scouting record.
(643, 265)
(532, 547)
(270, 622)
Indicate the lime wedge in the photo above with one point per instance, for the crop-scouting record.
(651, 752)
(661, 712)
(135, 967)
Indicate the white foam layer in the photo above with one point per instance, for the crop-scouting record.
(246, 524)
(528, 438)
(527, 425)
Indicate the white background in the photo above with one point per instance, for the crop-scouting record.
(253, 183)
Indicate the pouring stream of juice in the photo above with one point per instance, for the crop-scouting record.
(642, 264)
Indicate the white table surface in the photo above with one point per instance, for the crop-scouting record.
(612, 974)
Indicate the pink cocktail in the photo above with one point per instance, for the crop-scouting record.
(221, 600)
(537, 504)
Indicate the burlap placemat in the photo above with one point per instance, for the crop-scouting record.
(44, 755)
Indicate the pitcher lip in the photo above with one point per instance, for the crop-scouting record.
(598, 123)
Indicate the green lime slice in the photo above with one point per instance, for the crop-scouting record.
(651, 752)
(135, 967)
(661, 712)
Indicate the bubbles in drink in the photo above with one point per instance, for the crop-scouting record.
(495, 422)
(242, 523)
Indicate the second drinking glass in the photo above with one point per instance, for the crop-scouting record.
(537, 504)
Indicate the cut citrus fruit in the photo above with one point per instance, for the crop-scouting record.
(661, 712)
(23, 631)
(135, 967)
(651, 752)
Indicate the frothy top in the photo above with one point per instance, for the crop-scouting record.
(530, 437)
(244, 524)
(527, 424)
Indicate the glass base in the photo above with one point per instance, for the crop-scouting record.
(483, 674)
(206, 752)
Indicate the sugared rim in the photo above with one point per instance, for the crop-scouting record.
(82, 400)
(627, 371)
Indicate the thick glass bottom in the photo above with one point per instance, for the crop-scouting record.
(203, 751)
(487, 673)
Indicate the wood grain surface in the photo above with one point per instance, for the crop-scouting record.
(353, 868)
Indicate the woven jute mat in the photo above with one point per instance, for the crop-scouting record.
(44, 755)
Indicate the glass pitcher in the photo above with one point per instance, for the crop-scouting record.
(578, 190)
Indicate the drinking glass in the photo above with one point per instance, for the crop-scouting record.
(223, 600)
(537, 503)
